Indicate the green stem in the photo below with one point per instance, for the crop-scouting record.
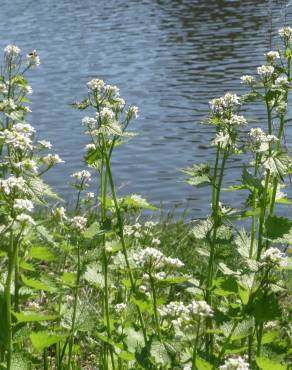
(259, 338)
(124, 248)
(7, 294)
(71, 342)
(194, 367)
(153, 289)
(263, 216)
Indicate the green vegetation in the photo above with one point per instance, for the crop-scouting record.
(97, 287)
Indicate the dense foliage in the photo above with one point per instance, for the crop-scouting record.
(96, 287)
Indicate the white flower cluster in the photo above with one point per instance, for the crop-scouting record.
(89, 122)
(272, 56)
(19, 136)
(52, 159)
(235, 120)
(247, 79)
(13, 184)
(82, 175)
(8, 104)
(222, 138)
(120, 307)
(226, 103)
(79, 223)
(33, 59)
(23, 205)
(12, 50)
(132, 112)
(183, 314)
(152, 258)
(45, 144)
(265, 71)
(261, 140)
(285, 32)
(60, 213)
(234, 363)
(96, 85)
(273, 256)
(25, 219)
(105, 114)
(282, 81)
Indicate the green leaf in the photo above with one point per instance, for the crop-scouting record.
(93, 276)
(202, 364)
(199, 174)
(30, 316)
(37, 285)
(160, 354)
(278, 226)
(270, 336)
(42, 253)
(92, 230)
(44, 339)
(40, 189)
(134, 339)
(145, 306)
(267, 364)
(266, 308)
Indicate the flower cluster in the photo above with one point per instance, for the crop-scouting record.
(152, 258)
(260, 140)
(272, 56)
(234, 363)
(82, 175)
(274, 257)
(247, 79)
(79, 223)
(13, 184)
(184, 314)
(265, 71)
(285, 33)
(12, 51)
(227, 103)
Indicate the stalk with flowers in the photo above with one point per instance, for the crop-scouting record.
(95, 285)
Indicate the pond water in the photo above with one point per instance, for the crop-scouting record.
(169, 57)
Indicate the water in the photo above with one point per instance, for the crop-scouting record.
(168, 57)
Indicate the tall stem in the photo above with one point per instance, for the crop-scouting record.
(196, 345)
(124, 248)
(153, 289)
(7, 295)
(71, 342)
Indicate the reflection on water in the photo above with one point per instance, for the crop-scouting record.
(170, 57)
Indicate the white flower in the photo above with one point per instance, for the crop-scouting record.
(105, 113)
(96, 85)
(52, 159)
(272, 56)
(120, 307)
(12, 50)
(82, 175)
(16, 139)
(45, 144)
(221, 138)
(79, 222)
(176, 309)
(236, 120)
(274, 256)
(89, 122)
(23, 204)
(149, 257)
(128, 230)
(133, 112)
(25, 219)
(261, 140)
(90, 147)
(33, 59)
(27, 164)
(60, 213)
(89, 195)
(160, 275)
(285, 32)
(282, 81)
(156, 241)
(13, 183)
(111, 90)
(247, 79)
(226, 103)
(200, 308)
(8, 104)
(234, 363)
(149, 224)
(173, 262)
(265, 71)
